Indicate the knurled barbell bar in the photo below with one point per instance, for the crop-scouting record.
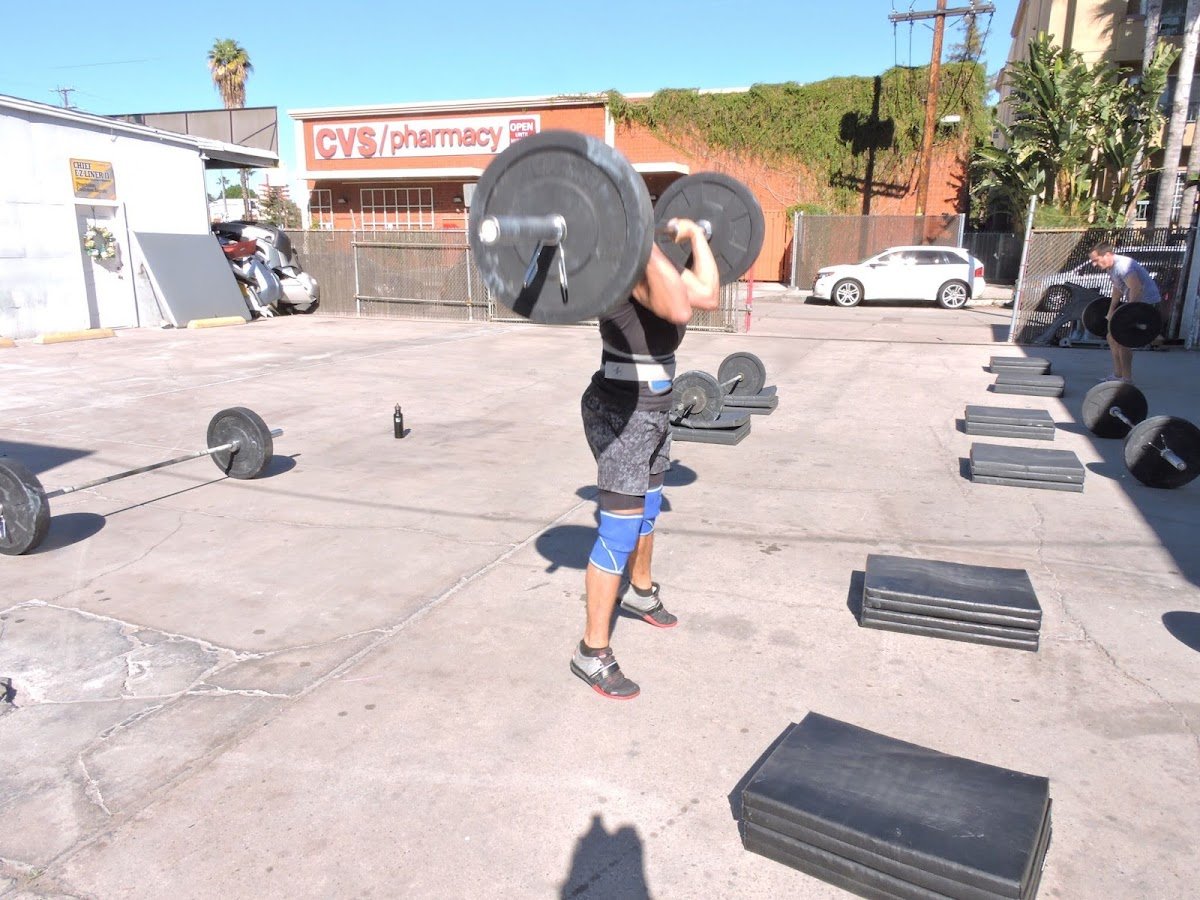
(1160, 451)
(562, 227)
(239, 443)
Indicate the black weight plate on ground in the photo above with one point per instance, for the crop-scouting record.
(25, 509)
(610, 225)
(1102, 398)
(737, 221)
(1147, 438)
(697, 397)
(1095, 316)
(247, 428)
(1135, 324)
(751, 369)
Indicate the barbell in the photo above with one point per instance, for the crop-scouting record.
(1132, 325)
(1160, 451)
(562, 227)
(698, 395)
(240, 443)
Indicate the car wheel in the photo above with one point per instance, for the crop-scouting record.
(847, 293)
(953, 295)
(1056, 296)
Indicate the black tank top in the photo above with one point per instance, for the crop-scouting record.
(637, 363)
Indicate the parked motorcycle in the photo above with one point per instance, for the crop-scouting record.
(271, 271)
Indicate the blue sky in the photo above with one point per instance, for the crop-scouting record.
(136, 56)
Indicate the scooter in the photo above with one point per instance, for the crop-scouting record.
(260, 287)
(299, 291)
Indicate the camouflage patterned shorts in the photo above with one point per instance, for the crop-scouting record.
(629, 445)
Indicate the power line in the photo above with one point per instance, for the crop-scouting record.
(939, 16)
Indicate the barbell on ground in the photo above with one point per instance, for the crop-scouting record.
(700, 396)
(240, 443)
(1160, 451)
(1132, 325)
(562, 226)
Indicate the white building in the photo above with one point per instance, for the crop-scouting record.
(75, 188)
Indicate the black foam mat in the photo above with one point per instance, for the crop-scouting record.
(799, 844)
(830, 868)
(935, 582)
(1043, 369)
(711, 435)
(989, 429)
(954, 634)
(1029, 378)
(1026, 462)
(818, 860)
(1028, 390)
(755, 404)
(732, 419)
(762, 396)
(875, 614)
(1072, 487)
(1032, 362)
(962, 820)
(1008, 415)
(1017, 618)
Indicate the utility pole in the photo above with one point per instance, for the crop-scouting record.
(935, 69)
(65, 93)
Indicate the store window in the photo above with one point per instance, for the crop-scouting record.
(320, 208)
(408, 209)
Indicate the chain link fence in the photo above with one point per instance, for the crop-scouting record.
(1057, 280)
(834, 240)
(424, 275)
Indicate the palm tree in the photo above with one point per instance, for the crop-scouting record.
(229, 65)
(1178, 122)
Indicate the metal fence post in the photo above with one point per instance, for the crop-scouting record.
(1016, 308)
(1189, 321)
(797, 234)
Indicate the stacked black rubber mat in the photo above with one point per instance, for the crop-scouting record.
(1035, 467)
(1006, 421)
(884, 818)
(1026, 365)
(729, 427)
(1012, 381)
(955, 601)
(761, 404)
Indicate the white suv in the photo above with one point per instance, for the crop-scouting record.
(949, 276)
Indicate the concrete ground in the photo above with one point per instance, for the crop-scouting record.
(348, 678)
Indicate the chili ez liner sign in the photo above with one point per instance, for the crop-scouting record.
(93, 180)
(421, 137)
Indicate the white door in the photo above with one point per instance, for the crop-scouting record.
(107, 275)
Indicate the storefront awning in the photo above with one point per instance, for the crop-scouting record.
(659, 168)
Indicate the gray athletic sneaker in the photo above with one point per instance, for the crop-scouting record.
(603, 674)
(648, 608)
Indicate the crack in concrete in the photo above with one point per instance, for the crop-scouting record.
(91, 788)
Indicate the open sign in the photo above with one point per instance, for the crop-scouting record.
(520, 128)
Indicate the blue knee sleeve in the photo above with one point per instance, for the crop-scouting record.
(650, 512)
(616, 540)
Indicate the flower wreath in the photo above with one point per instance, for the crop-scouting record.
(100, 243)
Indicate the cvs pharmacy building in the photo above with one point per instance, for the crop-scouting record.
(415, 166)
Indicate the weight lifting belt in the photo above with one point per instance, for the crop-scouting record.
(638, 357)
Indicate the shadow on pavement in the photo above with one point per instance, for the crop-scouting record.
(607, 865)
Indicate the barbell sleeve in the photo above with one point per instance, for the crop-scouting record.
(1172, 457)
(1116, 413)
(551, 229)
(232, 445)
